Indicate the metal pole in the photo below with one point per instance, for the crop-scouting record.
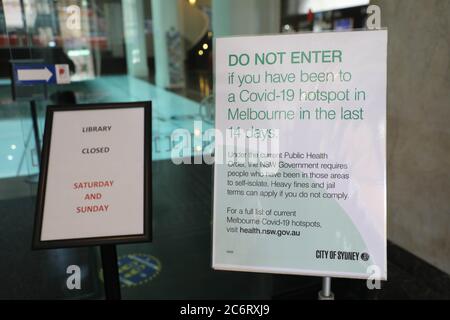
(110, 272)
(37, 140)
(325, 293)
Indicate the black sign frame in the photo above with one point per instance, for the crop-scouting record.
(102, 240)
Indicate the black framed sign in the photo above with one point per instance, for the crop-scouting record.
(95, 179)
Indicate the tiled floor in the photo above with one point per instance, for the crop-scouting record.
(170, 111)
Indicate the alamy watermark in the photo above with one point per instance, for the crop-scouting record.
(73, 281)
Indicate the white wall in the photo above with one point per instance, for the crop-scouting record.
(239, 17)
(418, 127)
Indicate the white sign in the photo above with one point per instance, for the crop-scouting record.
(62, 73)
(300, 174)
(94, 179)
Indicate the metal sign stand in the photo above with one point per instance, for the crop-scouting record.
(37, 139)
(325, 293)
(110, 272)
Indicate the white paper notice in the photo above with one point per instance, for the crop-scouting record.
(300, 173)
(95, 178)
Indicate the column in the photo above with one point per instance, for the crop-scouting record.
(133, 22)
